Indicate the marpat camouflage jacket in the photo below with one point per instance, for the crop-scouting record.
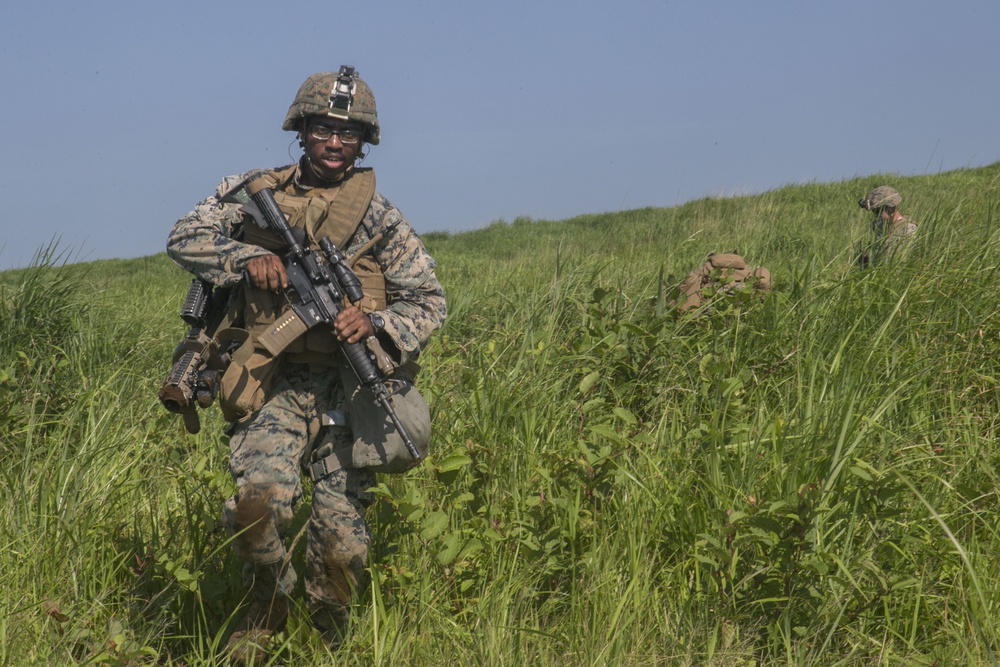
(890, 237)
(202, 242)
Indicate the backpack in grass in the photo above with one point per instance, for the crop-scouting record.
(722, 273)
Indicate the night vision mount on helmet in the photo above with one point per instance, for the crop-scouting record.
(342, 95)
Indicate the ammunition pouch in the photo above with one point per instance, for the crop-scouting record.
(254, 366)
(246, 380)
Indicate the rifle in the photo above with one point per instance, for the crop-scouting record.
(198, 361)
(317, 288)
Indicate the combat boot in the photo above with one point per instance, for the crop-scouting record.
(332, 628)
(248, 644)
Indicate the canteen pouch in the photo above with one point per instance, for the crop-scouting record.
(377, 444)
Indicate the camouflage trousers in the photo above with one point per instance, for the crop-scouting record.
(267, 455)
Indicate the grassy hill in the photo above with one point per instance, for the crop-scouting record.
(807, 480)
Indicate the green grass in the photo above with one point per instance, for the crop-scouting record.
(807, 480)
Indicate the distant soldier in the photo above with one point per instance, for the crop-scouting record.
(889, 229)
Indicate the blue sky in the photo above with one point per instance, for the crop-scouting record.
(116, 118)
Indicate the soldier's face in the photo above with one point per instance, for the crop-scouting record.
(330, 157)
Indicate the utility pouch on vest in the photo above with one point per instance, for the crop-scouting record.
(372, 281)
(377, 444)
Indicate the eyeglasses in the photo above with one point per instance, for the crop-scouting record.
(347, 135)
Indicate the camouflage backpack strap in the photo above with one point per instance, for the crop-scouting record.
(280, 178)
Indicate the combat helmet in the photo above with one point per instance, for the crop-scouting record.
(341, 95)
(879, 197)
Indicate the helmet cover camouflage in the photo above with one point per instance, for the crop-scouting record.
(341, 95)
(880, 197)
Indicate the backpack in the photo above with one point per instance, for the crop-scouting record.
(721, 273)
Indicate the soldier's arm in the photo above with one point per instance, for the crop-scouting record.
(415, 297)
(205, 241)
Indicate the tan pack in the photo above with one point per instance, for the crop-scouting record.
(722, 272)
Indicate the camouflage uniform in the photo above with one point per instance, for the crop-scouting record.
(268, 452)
(887, 236)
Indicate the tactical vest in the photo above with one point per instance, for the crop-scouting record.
(334, 213)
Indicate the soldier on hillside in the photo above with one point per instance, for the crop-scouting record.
(301, 418)
(889, 229)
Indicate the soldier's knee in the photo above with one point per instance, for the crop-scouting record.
(335, 576)
(251, 519)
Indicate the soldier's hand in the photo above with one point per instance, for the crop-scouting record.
(352, 325)
(267, 272)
